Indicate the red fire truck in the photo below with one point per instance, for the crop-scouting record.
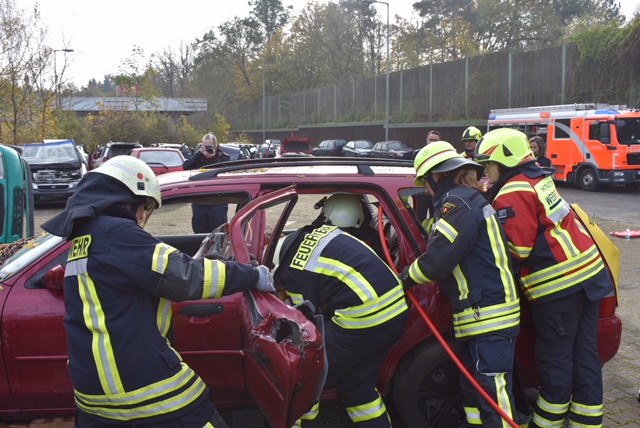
(589, 144)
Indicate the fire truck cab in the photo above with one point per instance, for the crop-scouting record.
(589, 144)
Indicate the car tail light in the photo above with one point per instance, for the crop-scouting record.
(608, 307)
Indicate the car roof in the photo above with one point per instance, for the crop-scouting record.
(291, 170)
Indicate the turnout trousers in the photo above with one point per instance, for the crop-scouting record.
(489, 359)
(566, 354)
(206, 218)
(355, 356)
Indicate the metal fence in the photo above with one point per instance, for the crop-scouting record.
(459, 90)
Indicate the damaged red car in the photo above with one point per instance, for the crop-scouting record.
(256, 353)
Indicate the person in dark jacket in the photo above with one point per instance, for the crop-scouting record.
(561, 273)
(468, 256)
(539, 149)
(206, 218)
(118, 286)
(363, 304)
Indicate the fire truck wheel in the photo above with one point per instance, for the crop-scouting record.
(588, 180)
(426, 388)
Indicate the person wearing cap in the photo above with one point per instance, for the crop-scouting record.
(467, 255)
(206, 218)
(561, 273)
(362, 301)
(118, 286)
(470, 138)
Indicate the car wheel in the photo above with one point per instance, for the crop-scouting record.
(588, 180)
(426, 388)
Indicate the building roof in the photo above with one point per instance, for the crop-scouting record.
(161, 105)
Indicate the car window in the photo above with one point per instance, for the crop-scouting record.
(363, 144)
(161, 157)
(397, 145)
(28, 254)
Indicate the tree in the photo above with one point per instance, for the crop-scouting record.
(271, 15)
(136, 78)
(175, 69)
(24, 69)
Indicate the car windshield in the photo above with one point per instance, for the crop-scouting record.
(397, 145)
(50, 153)
(161, 157)
(364, 144)
(29, 253)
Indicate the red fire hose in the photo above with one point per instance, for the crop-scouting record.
(437, 334)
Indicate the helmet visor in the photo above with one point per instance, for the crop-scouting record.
(148, 208)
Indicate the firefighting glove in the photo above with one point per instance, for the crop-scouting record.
(265, 280)
(407, 282)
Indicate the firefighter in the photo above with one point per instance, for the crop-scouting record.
(470, 138)
(363, 305)
(206, 218)
(561, 273)
(345, 211)
(118, 287)
(468, 256)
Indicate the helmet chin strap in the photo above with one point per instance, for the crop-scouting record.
(431, 182)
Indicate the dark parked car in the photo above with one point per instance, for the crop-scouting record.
(264, 347)
(160, 159)
(358, 148)
(113, 149)
(56, 167)
(393, 149)
(329, 148)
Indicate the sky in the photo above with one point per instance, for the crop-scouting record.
(103, 34)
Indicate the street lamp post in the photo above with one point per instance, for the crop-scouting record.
(55, 73)
(386, 112)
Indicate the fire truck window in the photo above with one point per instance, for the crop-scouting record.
(561, 134)
(594, 131)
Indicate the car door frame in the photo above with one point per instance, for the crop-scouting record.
(280, 392)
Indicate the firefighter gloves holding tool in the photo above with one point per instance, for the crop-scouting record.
(265, 280)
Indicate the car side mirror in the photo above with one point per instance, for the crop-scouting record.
(54, 278)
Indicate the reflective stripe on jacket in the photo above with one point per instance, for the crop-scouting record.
(343, 277)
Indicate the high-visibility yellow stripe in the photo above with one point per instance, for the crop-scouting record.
(147, 401)
(347, 275)
(446, 229)
(215, 279)
(416, 274)
(591, 411)
(163, 316)
(101, 345)
(501, 256)
(502, 397)
(368, 411)
(472, 415)
(160, 259)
